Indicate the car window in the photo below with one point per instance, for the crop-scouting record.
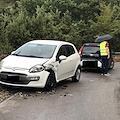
(36, 50)
(70, 50)
(89, 49)
(61, 51)
(65, 50)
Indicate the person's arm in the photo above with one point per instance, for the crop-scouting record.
(107, 49)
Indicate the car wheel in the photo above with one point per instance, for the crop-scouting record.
(111, 64)
(51, 82)
(76, 77)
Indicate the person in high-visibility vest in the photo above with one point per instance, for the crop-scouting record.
(105, 55)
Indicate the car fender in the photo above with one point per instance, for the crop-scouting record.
(51, 72)
(78, 65)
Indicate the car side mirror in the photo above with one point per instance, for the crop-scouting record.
(62, 57)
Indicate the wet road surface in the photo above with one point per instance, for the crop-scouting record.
(94, 97)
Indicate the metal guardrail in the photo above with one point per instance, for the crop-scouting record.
(116, 53)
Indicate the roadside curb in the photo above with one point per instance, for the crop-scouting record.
(5, 101)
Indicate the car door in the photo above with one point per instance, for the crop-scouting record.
(74, 58)
(64, 67)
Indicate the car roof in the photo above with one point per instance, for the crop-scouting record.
(50, 42)
(87, 44)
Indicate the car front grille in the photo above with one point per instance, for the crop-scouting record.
(13, 78)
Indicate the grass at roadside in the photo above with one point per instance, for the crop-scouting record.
(117, 58)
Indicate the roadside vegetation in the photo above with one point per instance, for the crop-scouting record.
(76, 21)
(117, 58)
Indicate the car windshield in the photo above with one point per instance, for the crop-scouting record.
(36, 50)
(90, 49)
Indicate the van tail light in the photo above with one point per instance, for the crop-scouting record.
(80, 51)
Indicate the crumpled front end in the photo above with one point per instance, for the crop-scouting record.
(23, 78)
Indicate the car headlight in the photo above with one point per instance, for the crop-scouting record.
(36, 68)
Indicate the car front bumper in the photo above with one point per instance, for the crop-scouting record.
(37, 80)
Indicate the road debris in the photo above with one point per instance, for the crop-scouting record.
(66, 94)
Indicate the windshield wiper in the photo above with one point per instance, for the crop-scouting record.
(32, 56)
(16, 54)
(28, 56)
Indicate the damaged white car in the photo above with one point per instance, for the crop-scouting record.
(41, 64)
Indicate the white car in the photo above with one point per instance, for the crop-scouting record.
(41, 64)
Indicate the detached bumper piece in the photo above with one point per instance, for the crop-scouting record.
(16, 78)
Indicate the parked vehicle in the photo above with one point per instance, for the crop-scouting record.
(41, 63)
(90, 56)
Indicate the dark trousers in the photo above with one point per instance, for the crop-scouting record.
(104, 69)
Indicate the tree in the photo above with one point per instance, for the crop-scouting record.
(106, 22)
(60, 20)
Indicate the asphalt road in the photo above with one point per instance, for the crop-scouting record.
(94, 97)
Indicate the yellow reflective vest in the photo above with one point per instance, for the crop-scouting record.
(103, 51)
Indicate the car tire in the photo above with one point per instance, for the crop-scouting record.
(50, 83)
(77, 75)
(111, 65)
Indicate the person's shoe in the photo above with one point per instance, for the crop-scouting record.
(102, 74)
(107, 74)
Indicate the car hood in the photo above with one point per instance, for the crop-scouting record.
(22, 62)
